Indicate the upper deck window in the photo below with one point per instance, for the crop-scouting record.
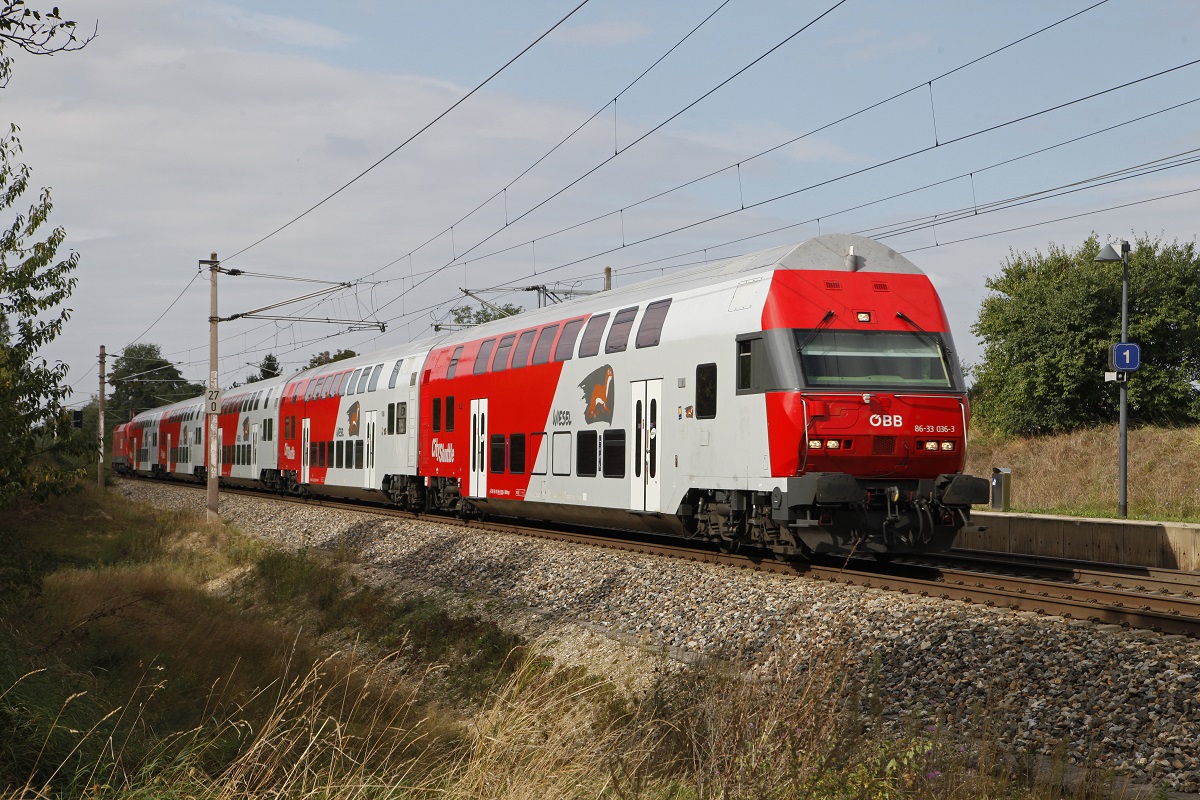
(566, 342)
(652, 323)
(501, 360)
(481, 358)
(454, 357)
(618, 336)
(545, 343)
(896, 359)
(521, 351)
(590, 345)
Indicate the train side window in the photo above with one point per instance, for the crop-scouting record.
(560, 461)
(500, 361)
(395, 374)
(449, 413)
(516, 454)
(363, 379)
(320, 454)
(618, 335)
(496, 453)
(545, 344)
(521, 351)
(375, 378)
(745, 363)
(401, 417)
(706, 391)
(755, 372)
(436, 416)
(358, 454)
(481, 358)
(614, 453)
(339, 450)
(352, 382)
(320, 385)
(566, 342)
(585, 453)
(454, 357)
(592, 334)
(537, 441)
(650, 331)
(391, 423)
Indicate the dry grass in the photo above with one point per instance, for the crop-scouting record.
(1076, 473)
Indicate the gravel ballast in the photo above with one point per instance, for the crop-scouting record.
(1127, 700)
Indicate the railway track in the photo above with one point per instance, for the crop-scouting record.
(1152, 599)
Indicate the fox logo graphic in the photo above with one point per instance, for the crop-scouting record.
(598, 392)
(352, 420)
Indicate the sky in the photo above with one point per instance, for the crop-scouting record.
(190, 128)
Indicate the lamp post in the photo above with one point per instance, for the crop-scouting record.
(1110, 255)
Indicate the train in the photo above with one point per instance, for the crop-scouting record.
(805, 399)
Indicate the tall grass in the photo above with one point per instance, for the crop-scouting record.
(1076, 473)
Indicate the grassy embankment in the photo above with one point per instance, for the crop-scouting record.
(144, 654)
(1076, 473)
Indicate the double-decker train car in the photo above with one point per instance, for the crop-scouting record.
(802, 399)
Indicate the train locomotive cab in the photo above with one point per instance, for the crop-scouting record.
(866, 411)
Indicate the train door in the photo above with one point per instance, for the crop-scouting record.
(304, 450)
(645, 482)
(170, 455)
(369, 456)
(254, 451)
(479, 449)
(412, 440)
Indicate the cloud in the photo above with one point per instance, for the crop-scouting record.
(602, 34)
(283, 30)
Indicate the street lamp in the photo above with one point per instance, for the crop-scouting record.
(1108, 254)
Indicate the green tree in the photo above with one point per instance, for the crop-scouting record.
(469, 316)
(35, 429)
(142, 379)
(40, 33)
(1047, 326)
(324, 357)
(267, 368)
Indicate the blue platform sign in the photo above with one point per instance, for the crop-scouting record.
(1125, 356)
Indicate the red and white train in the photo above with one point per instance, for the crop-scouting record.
(802, 399)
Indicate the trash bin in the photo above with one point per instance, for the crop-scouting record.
(1001, 481)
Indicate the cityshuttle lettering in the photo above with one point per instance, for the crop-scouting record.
(443, 452)
(887, 421)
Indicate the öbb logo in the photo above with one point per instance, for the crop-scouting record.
(886, 421)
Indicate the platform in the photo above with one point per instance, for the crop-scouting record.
(1169, 545)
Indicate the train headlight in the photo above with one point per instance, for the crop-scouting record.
(931, 445)
(947, 445)
(814, 444)
(833, 444)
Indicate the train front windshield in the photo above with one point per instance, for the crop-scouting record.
(873, 359)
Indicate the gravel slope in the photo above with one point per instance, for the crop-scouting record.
(1129, 697)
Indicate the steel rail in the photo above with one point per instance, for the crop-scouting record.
(1170, 614)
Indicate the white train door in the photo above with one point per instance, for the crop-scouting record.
(479, 449)
(412, 440)
(645, 482)
(304, 450)
(369, 455)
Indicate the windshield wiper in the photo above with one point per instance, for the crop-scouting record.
(925, 335)
(828, 316)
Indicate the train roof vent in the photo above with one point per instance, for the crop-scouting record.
(880, 286)
(833, 284)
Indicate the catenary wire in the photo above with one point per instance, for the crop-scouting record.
(426, 127)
